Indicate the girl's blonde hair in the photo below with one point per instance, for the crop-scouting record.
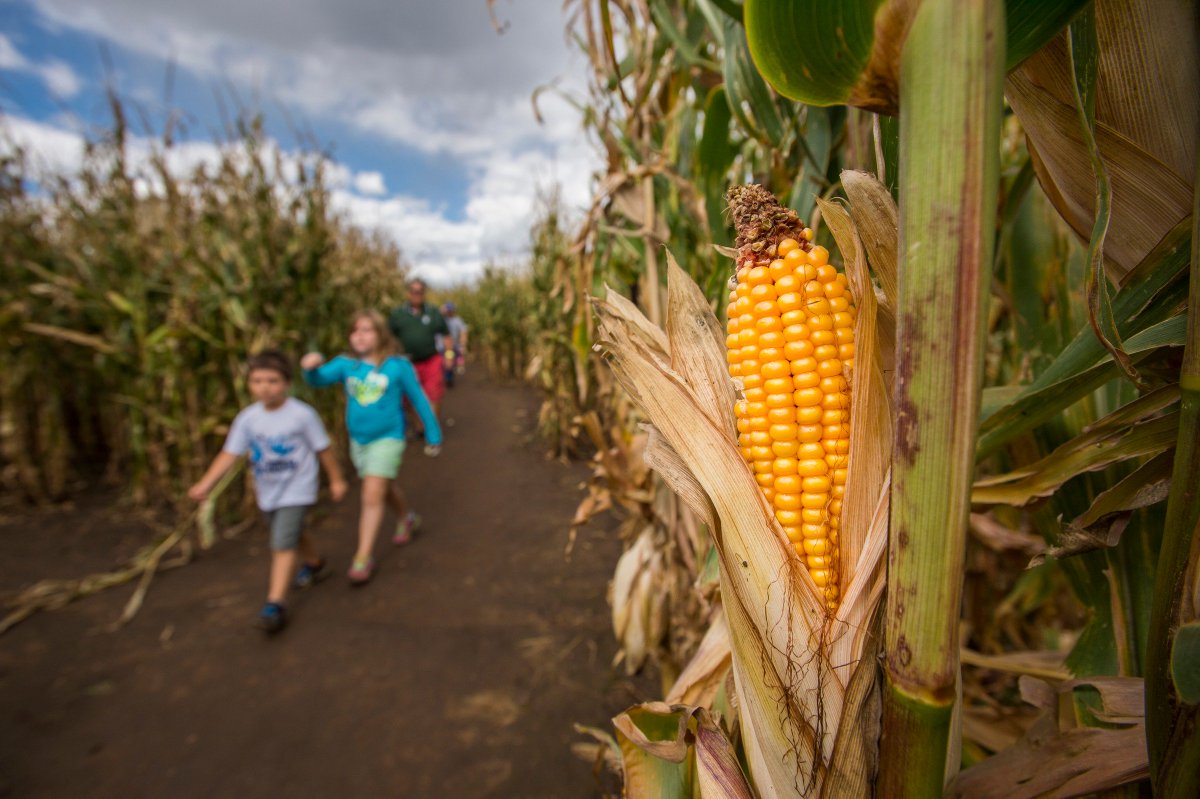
(388, 345)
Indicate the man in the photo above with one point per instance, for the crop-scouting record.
(417, 324)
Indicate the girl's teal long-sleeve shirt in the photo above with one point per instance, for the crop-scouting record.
(375, 397)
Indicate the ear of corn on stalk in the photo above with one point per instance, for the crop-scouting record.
(791, 346)
(802, 659)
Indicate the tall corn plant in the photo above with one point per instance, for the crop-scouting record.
(1089, 434)
(680, 112)
(144, 288)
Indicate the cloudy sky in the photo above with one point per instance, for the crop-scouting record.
(425, 107)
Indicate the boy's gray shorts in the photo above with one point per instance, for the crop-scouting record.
(286, 525)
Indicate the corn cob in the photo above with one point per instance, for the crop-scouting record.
(791, 344)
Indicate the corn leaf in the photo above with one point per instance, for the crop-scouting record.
(701, 678)
(71, 336)
(1185, 663)
(1059, 757)
(1086, 453)
(718, 773)
(1158, 285)
(1033, 408)
(713, 158)
(1147, 125)
(653, 753)
(749, 97)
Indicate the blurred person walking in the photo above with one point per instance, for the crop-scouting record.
(377, 379)
(416, 325)
(285, 441)
(453, 346)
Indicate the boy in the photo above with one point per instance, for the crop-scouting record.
(285, 439)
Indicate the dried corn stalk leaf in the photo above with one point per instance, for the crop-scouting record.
(634, 583)
(692, 319)
(870, 411)
(700, 679)
(667, 464)
(1147, 125)
(1058, 757)
(717, 769)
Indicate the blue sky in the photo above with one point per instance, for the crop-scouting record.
(423, 105)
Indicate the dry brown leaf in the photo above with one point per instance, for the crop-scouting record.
(717, 769)
(1056, 759)
(1147, 125)
(697, 343)
(700, 679)
(870, 409)
(666, 462)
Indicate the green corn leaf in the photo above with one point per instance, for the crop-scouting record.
(1158, 284)
(1185, 663)
(654, 751)
(1086, 453)
(750, 98)
(713, 159)
(818, 146)
(1032, 408)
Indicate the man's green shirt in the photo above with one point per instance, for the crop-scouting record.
(417, 330)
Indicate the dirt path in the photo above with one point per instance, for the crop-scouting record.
(458, 672)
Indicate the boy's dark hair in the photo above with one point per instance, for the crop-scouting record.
(274, 360)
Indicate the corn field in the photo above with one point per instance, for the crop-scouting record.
(134, 292)
(937, 532)
(1019, 233)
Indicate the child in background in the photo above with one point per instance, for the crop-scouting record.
(285, 439)
(377, 379)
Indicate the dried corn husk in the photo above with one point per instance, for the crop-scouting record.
(804, 678)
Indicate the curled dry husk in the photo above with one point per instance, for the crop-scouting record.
(805, 680)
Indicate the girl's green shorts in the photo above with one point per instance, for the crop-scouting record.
(379, 458)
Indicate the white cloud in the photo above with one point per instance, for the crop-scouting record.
(432, 77)
(58, 76)
(10, 57)
(51, 150)
(369, 183)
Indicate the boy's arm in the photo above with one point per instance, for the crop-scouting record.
(337, 483)
(221, 464)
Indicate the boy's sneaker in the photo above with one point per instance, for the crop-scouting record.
(405, 529)
(273, 617)
(361, 571)
(310, 574)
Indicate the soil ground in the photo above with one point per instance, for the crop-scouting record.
(458, 672)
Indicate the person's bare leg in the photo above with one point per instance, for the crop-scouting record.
(283, 567)
(374, 491)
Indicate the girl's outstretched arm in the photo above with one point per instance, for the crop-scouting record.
(319, 372)
(410, 386)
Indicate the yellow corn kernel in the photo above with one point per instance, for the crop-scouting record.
(790, 341)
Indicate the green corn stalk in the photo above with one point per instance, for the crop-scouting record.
(950, 86)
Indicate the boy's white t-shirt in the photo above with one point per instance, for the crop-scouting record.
(282, 444)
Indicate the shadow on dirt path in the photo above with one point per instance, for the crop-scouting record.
(458, 672)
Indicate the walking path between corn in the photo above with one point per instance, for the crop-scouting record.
(457, 672)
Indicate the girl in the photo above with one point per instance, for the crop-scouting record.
(377, 379)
